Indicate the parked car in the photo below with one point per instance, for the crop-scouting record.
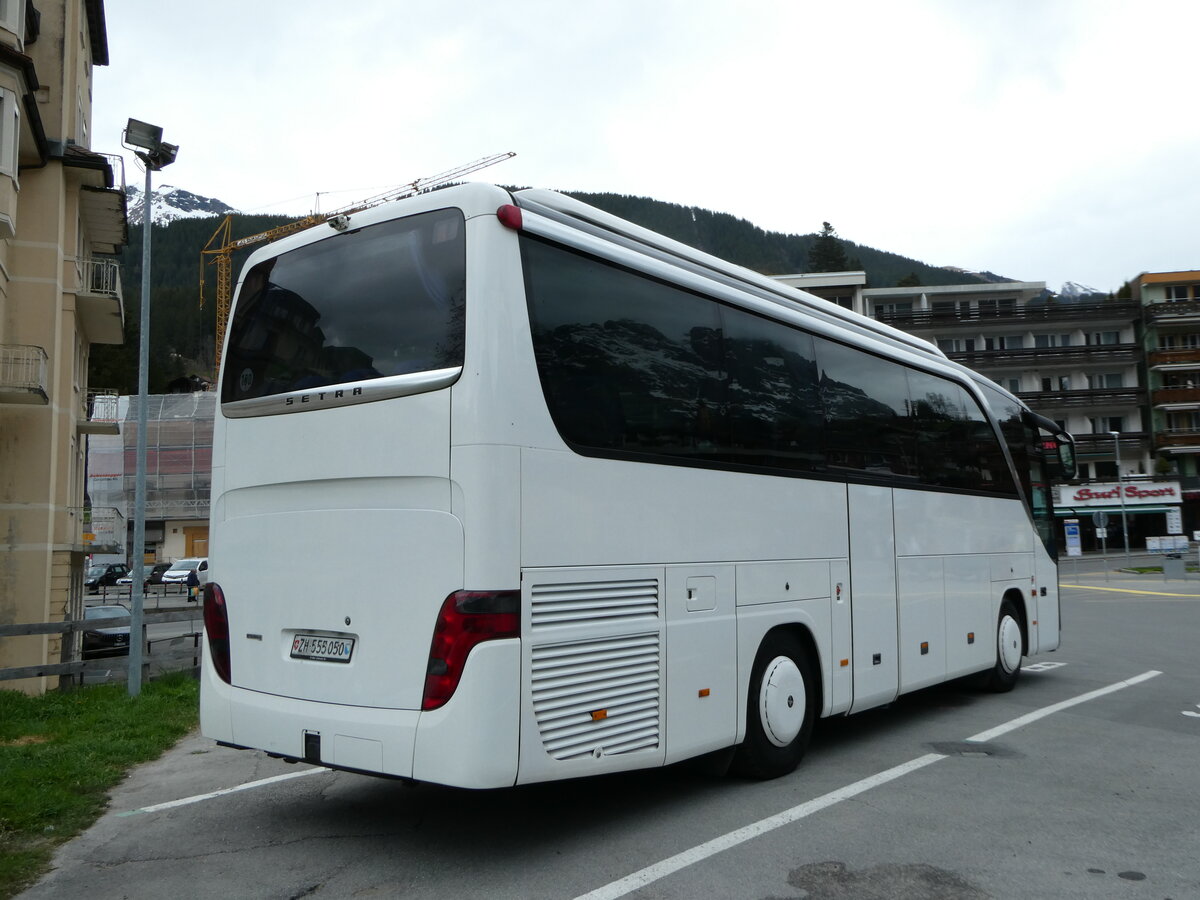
(178, 573)
(103, 575)
(100, 641)
(152, 576)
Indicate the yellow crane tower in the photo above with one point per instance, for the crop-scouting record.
(222, 244)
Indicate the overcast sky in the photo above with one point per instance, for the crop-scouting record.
(1045, 140)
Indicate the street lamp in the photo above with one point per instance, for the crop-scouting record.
(1116, 436)
(147, 144)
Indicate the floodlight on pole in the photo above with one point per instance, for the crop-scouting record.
(155, 154)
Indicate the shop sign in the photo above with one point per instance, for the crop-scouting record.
(1143, 493)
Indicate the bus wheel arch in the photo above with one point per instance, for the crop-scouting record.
(783, 702)
(1011, 644)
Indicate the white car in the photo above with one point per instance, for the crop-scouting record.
(178, 573)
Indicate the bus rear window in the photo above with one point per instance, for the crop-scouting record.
(384, 300)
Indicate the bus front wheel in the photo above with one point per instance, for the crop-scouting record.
(781, 709)
(1009, 644)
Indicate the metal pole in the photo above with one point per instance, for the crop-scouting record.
(139, 501)
(1116, 436)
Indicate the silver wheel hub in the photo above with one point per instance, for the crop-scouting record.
(1008, 639)
(782, 701)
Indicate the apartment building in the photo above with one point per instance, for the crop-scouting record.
(1170, 306)
(62, 217)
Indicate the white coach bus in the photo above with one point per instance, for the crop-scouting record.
(507, 489)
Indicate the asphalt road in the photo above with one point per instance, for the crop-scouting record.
(1091, 789)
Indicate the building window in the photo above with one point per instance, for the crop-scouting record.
(10, 132)
(1105, 424)
(956, 345)
(1045, 341)
(1104, 337)
(1013, 384)
(12, 18)
(1177, 293)
(893, 310)
(1106, 381)
(1004, 342)
(843, 302)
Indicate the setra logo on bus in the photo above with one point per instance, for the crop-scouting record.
(333, 395)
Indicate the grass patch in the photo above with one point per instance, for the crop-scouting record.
(60, 755)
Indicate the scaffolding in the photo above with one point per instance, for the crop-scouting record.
(179, 436)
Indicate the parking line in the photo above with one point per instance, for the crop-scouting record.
(663, 868)
(1113, 590)
(171, 804)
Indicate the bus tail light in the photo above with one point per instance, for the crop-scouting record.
(467, 618)
(216, 626)
(510, 216)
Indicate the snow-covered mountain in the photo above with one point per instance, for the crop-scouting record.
(1072, 290)
(171, 203)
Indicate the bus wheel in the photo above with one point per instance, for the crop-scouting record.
(1003, 675)
(781, 709)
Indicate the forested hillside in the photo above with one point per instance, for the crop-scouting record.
(182, 334)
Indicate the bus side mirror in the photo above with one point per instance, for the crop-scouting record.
(1066, 459)
(1059, 455)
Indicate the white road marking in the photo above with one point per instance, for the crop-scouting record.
(1042, 666)
(663, 868)
(1024, 720)
(682, 860)
(171, 804)
(1194, 715)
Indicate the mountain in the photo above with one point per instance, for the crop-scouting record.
(1073, 291)
(172, 203)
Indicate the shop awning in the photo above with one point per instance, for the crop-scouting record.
(1085, 512)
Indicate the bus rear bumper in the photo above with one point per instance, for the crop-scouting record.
(470, 742)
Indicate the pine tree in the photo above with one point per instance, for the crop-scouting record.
(826, 253)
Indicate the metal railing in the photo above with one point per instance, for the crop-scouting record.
(177, 649)
(23, 369)
(1041, 400)
(99, 276)
(1048, 313)
(1165, 311)
(1047, 356)
(101, 405)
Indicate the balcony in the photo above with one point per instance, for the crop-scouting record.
(1186, 357)
(23, 375)
(1108, 397)
(1178, 439)
(98, 529)
(99, 415)
(1172, 313)
(1047, 356)
(1094, 446)
(1176, 396)
(1031, 314)
(99, 300)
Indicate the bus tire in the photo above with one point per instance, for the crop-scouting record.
(780, 711)
(1009, 644)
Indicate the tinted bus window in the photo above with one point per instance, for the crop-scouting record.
(383, 300)
(626, 363)
(865, 401)
(772, 401)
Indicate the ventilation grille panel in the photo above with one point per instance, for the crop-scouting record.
(597, 698)
(608, 602)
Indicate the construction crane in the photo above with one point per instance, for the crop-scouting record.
(222, 245)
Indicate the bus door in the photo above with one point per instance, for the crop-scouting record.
(873, 612)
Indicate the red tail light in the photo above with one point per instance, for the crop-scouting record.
(510, 217)
(216, 626)
(467, 618)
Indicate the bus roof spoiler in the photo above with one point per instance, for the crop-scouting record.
(575, 213)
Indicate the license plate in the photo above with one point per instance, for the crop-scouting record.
(329, 649)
